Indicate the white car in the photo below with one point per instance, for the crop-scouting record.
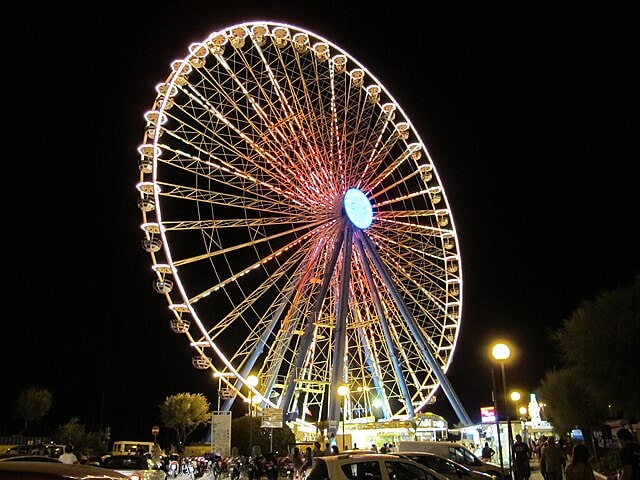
(139, 467)
(369, 466)
(447, 467)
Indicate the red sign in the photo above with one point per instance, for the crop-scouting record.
(155, 430)
(488, 414)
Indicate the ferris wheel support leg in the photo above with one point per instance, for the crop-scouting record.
(440, 375)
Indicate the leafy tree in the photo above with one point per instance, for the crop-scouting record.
(74, 433)
(601, 368)
(71, 433)
(566, 391)
(184, 413)
(32, 405)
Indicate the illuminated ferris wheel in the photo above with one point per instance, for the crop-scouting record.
(298, 228)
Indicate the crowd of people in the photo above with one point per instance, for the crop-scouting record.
(565, 460)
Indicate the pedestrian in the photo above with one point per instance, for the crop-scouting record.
(317, 451)
(68, 456)
(307, 458)
(297, 460)
(487, 452)
(335, 450)
(579, 468)
(552, 460)
(374, 448)
(521, 455)
(629, 456)
(327, 449)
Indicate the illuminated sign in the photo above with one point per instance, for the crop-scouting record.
(488, 414)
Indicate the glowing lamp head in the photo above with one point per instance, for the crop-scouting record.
(252, 380)
(501, 352)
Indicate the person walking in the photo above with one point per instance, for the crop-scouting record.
(317, 450)
(579, 468)
(308, 461)
(521, 455)
(629, 456)
(68, 456)
(298, 463)
(552, 460)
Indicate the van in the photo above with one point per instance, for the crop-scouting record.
(131, 447)
(455, 451)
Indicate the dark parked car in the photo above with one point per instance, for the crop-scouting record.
(447, 467)
(27, 458)
(55, 471)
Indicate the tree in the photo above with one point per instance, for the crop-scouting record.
(601, 368)
(32, 404)
(74, 433)
(566, 390)
(184, 413)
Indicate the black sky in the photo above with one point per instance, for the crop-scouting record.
(530, 113)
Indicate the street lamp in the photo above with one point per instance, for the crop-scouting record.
(252, 381)
(497, 420)
(377, 404)
(501, 352)
(343, 391)
(515, 398)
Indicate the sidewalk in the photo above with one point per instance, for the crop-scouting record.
(536, 474)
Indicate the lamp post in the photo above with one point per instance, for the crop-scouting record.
(497, 414)
(252, 381)
(501, 352)
(515, 398)
(377, 404)
(343, 391)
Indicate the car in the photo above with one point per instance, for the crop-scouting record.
(27, 458)
(141, 465)
(369, 466)
(456, 452)
(49, 450)
(447, 467)
(22, 450)
(56, 471)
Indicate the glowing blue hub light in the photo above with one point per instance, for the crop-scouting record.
(358, 208)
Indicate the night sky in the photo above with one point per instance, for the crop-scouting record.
(529, 113)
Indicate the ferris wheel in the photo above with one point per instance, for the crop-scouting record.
(298, 229)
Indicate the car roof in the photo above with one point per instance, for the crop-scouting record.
(59, 470)
(124, 461)
(359, 454)
(27, 458)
